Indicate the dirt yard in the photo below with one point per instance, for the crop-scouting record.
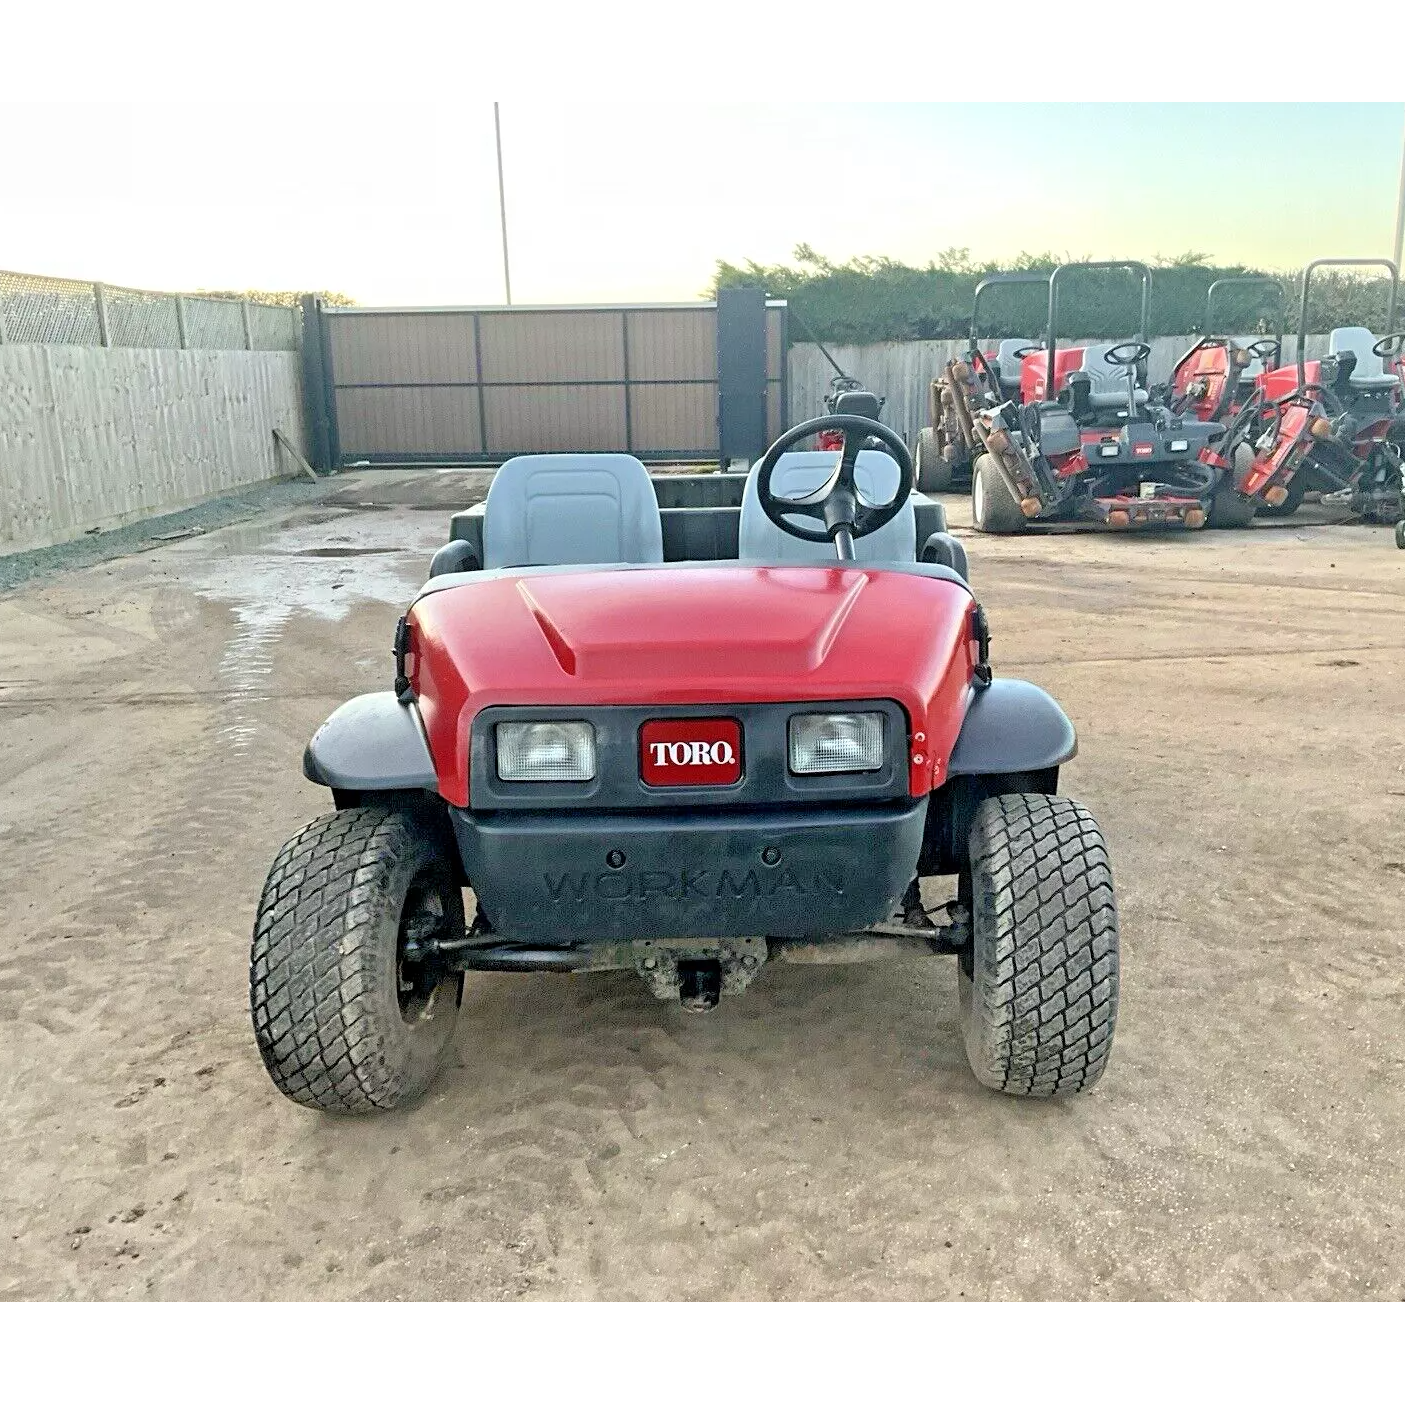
(1238, 698)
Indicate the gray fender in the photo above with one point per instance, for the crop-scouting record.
(1012, 726)
(371, 743)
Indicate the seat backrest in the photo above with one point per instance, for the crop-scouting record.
(571, 509)
(1007, 361)
(1109, 388)
(799, 473)
(1370, 369)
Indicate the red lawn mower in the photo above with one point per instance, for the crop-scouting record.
(1220, 379)
(1345, 435)
(687, 768)
(1083, 442)
(949, 445)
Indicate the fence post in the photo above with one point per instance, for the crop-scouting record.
(100, 303)
(248, 325)
(181, 333)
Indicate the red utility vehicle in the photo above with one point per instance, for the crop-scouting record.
(687, 765)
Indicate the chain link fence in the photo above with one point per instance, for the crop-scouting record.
(38, 309)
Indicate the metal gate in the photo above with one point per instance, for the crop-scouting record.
(479, 384)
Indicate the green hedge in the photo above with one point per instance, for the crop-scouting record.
(879, 299)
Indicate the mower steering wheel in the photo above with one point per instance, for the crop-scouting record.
(1389, 345)
(838, 513)
(1023, 351)
(1263, 348)
(1126, 353)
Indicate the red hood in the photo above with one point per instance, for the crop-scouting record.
(744, 634)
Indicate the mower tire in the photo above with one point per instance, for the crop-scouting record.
(1400, 534)
(993, 506)
(1296, 488)
(933, 469)
(1038, 983)
(1229, 507)
(344, 1020)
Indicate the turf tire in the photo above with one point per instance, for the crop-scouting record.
(993, 505)
(933, 470)
(1229, 508)
(1038, 984)
(334, 1026)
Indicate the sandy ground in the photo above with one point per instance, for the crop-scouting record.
(1238, 697)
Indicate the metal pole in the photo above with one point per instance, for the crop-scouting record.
(1400, 210)
(502, 204)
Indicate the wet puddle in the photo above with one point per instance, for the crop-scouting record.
(268, 575)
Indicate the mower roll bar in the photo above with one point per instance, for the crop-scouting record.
(995, 280)
(1340, 263)
(1130, 266)
(1259, 278)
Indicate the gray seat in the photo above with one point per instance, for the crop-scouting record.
(799, 473)
(1370, 372)
(571, 509)
(1007, 359)
(1109, 388)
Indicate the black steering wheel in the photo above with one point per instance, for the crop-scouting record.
(1263, 348)
(1389, 345)
(1126, 353)
(837, 511)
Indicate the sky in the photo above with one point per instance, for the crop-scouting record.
(394, 203)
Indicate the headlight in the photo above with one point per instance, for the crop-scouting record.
(546, 751)
(825, 742)
(1179, 446)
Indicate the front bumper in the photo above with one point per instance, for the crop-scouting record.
(567, 877)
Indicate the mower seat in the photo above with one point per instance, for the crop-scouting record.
(1007, 360)
(1370, 372)
(1109, 388)
(571, 509)
(802, 472)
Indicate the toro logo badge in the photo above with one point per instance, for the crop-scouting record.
(691, 751)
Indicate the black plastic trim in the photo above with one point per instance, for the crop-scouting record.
(372, 742)
(556, 879)
(1012, 726)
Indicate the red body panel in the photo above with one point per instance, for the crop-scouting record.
(1033, 368)
(1285, 379)
(1294, 439)
(1209, 366)
(733, 634)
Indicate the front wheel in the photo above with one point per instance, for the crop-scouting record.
(1229, 507)
(933, 469)
(348, 1014)
(1400, 534)
(993, 506)
(1038, 983)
